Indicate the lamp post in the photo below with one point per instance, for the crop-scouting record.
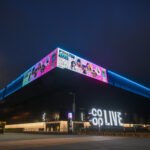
(73, 105)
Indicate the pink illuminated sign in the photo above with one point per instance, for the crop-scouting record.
(63, 59)
(80, 65)
(46, 64)
(69, 115)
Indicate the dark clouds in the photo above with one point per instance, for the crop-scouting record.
(113, 34)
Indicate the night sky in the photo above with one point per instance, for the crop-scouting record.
(113, 34)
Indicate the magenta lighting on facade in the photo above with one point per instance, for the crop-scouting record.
(67, 60)
(63, 59)
(42, 67)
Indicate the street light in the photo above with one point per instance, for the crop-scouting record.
(73, 105)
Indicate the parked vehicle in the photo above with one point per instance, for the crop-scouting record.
(2, 127)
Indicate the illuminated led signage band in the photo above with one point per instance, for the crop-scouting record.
(74, 63)
(46, 64)
(105, 118)
(66, 60)
(63, 59)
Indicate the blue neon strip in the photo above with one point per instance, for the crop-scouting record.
(14, 86)
(127, 84)
(2, 93)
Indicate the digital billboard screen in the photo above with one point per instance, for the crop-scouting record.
(46, 64)
(72, 62)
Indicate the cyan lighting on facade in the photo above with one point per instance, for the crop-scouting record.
(127, 84)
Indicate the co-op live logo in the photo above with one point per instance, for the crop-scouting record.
(99, 117)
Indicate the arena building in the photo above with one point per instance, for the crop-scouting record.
(65, 87)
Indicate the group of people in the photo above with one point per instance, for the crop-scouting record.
(85, 67)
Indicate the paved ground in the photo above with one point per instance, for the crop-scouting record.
(11, 141)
